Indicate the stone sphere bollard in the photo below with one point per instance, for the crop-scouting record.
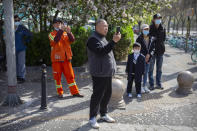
(185, 81)
(118, 89)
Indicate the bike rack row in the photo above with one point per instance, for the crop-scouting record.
(180, 42)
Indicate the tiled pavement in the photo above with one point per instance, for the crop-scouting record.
(161, 110)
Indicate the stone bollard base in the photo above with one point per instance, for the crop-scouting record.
(118, 89)
(117, 104)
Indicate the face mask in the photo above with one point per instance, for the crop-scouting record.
(17, 23)
(145, 32)
(56, 29)
(136, 51)
(157, 22)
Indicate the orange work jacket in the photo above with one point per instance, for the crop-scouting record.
(60, 50)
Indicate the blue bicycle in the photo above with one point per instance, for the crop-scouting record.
(194, 52)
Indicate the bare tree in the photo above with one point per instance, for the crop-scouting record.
(169, 21)
(12, 98)
(183, 20)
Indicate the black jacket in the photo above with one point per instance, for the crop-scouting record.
(139, 67)
(160, 34)
(101, 59)
(151, 46)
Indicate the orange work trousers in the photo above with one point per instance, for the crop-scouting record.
(64, 67)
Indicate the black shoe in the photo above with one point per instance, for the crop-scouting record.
(20, 80)
(78, 95)
(159, 87)
(151, 88)
(60, 96)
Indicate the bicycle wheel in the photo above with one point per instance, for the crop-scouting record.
(194, 56)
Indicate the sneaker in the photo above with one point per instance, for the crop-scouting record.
(159, 87)
(129, 95)
(78, 95)
(151, 88)
(60, 96)
(146, 89)
(107, 118)
(94, 123)
(142, 90)
(20, 80)
(139, 96)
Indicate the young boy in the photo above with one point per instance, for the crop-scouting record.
(135, 69)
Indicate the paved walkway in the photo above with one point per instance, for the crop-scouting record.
(161, 110)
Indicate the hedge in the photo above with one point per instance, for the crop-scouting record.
(38, 50)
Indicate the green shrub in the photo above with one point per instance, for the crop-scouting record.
(38, 50)
(79, 46)
(124, 46)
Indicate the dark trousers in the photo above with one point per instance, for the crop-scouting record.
(102, 89)
(137, 84)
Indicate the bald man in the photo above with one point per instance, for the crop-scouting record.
(102, 67)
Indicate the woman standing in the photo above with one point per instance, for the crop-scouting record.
(147, 49)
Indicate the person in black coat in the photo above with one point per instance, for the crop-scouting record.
(147, 49)
(102, 67)
(135, 69)
(159, 32)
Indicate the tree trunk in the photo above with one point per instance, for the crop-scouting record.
(183, 22)
(2, 49)
(139, 25)
(195, 10)
(174, 25)
(45, 20)
(40, 16)
(169, 23)
(12, 98)
(177, 26)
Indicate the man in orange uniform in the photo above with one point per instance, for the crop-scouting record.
(61, 55)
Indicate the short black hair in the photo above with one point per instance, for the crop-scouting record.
(55, 20)
(156, 16)
(16, 16)
(136, 44)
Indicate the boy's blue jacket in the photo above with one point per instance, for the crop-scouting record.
(22, 37)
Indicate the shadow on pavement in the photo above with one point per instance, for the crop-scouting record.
(85, 127)
(175, 95)
(155, 95)
(32, 87)
(166, 78)
(194, 86)
(31, 91)
(42, 116)
(191, 63)
(121, 62)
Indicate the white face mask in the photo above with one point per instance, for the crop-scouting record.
(17, 23)
(136, 51)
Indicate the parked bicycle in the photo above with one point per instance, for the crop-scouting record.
(194, 52)
(179, 41)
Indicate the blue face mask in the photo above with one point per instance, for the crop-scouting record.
(157, 22)
(56, 29)
(17, 23)
(145, 32)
